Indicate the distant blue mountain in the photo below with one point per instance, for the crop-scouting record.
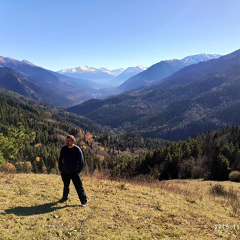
(163, 69)
(69, 90)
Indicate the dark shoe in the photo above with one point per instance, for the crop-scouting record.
(84, 204)
(63, 200)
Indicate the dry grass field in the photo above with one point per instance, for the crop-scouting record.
(175, 209)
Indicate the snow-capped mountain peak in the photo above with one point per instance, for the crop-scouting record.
(91, 73)
(142, 68)
(135, 70)
(105, 70)
(129, 72)
(86, 69)
(199, 58)
(68, 70)
(80, 69)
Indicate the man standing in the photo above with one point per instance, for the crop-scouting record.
(70, 165)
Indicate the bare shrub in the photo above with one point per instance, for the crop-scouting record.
(218, 190)
(230, 196)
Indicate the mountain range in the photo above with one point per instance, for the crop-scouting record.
(19, 83)
(163, 69)
(66, 87)
(126, 74)
(172, 99)
(197, 98)
(103, 76)
(85, 72)
(132, 77)
(42, 84)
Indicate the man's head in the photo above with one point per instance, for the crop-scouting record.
(70, 140)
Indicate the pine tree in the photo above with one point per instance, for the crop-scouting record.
(14, 141)
(219, 167)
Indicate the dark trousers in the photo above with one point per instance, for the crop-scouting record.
(66, 177)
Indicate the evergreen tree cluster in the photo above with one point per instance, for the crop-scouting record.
(129, 141)
(211, 156)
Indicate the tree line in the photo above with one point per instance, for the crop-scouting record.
(210, 156)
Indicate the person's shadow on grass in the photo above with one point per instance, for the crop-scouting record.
(35, 210)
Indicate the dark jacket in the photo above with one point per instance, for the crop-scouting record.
(71, 160)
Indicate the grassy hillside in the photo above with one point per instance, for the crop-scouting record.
(176, 209)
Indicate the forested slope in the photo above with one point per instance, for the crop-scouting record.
(51, 125)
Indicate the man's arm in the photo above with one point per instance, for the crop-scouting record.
(60, 161)
(80, 161)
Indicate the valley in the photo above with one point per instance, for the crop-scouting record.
(122, 134)
(192, 100)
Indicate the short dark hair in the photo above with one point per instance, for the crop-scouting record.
(72, 137)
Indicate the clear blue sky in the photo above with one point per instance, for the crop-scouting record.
(57, 34)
